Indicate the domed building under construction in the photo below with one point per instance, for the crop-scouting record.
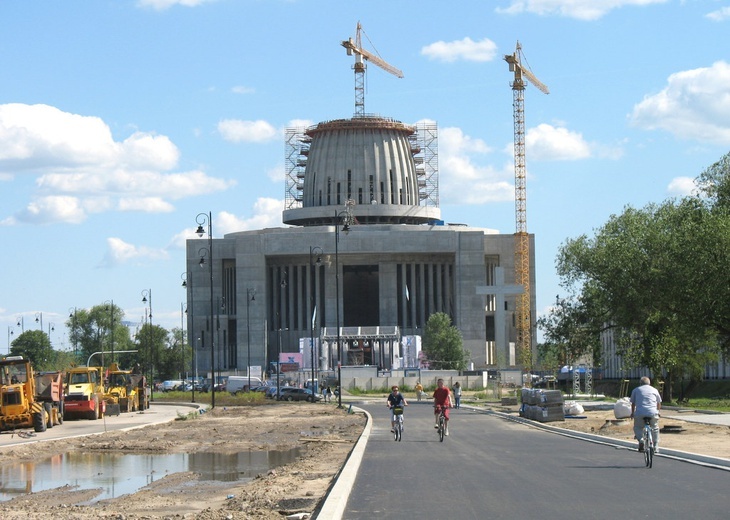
(364, 261)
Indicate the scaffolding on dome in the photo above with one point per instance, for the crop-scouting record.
(424, 147)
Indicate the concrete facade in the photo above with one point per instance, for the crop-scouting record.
(367, 260)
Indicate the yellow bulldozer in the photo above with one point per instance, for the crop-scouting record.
(126, 391)
(28, 399)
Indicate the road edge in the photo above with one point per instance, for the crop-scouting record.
(336, 499)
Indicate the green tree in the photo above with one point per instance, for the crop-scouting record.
(35, 346)
(99, 329)
(572, 330)
(652, 270)
(443, 344)
(150, 343)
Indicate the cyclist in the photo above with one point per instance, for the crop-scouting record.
(646, 401)
(395, 398)
(441, 400)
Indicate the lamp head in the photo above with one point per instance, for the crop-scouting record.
(200, 231)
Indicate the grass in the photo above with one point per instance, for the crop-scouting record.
(221, 398)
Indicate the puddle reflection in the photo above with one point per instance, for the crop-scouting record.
(121, 474)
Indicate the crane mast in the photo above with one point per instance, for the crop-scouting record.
(361, 55)
(522, 238)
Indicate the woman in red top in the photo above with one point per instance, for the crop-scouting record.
(441, 399)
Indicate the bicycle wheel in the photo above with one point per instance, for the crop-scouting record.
(648, 449)
(442, 428)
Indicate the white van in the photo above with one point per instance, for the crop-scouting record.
(237, 384)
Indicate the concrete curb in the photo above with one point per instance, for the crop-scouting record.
(693, 458)
(336, 499)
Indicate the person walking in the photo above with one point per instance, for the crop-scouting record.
(419, 390)
(646, 401)
(457, 395)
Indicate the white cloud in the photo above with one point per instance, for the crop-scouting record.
(694, 105)
(46, 210)
(161, 5)
(682, 186)
(237, 131)
(145, 204)
(266, 214)
(548, 143)
(466, 50)
(120, 252)
(83, 170)
(579, 9)
(720, 15)
(461, 179)
(241, 89)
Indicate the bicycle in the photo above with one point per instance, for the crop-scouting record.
(648, 443)
(441, 429)
(398, 419)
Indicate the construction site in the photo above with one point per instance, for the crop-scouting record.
(366, 256)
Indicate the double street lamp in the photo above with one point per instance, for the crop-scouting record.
(313, 252)
(202, 219)
(185, 277)
(147, 300)
(346, 218)
(250, 296)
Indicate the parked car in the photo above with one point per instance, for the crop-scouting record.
(271, 391)
(170, 385)
(300, 394)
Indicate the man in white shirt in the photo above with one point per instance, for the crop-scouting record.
(646, 401)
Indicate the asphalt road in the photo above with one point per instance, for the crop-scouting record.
(158, 413)
(492, 468)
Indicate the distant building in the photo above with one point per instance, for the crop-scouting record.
(365, 250)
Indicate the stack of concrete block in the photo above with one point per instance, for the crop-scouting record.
(542, 405)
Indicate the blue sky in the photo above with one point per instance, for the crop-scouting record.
(121, 120)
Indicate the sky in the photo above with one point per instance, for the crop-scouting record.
(122, 120)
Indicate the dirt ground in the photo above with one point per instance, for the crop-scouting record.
(324, 434)
(691, 437)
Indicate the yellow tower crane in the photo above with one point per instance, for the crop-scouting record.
(361, 55)
(522, 250)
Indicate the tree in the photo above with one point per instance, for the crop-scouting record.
(572, 329)
(653, 270)
(99, 329)
(35, 345)
(442, 343)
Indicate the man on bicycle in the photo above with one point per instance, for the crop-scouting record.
(646, 401)
(441, 401)
(395, 398)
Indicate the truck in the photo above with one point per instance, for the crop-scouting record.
(49, 390)
(84, 391)
(20, 404)
(126, 391)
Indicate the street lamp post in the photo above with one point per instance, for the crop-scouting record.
(318, 252)
(72, 316)
(51, 328)
(110, 304)
(39, 319)
(347, 214)
(250, 296)
(147, 298)
(193, 344)
(201, 219)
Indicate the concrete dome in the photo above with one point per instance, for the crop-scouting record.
(370, 160)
